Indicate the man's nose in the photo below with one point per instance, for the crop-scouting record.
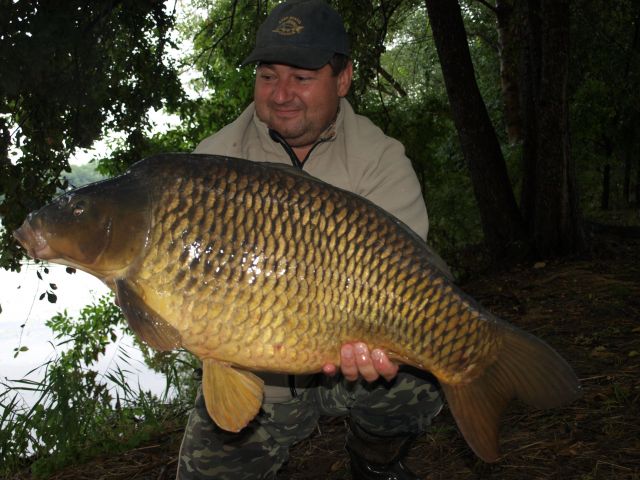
(282, 92)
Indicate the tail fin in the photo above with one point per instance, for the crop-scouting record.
(526, 368)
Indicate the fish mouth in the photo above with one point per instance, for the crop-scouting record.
(33, 242)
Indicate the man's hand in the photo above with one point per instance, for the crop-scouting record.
(355, 361)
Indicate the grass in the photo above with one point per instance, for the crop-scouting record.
(79, 414)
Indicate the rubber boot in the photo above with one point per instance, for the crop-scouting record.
(377, 458)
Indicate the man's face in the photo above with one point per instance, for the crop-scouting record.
(299, 104)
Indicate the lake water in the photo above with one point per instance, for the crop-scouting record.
(21, 305)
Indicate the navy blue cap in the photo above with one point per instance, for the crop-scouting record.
(300, 33)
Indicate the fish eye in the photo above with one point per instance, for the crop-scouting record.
(78, 208)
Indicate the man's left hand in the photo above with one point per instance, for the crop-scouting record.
(356, 361)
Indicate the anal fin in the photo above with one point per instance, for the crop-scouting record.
(144, 321)
(233, 397)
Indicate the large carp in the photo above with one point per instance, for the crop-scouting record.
(255, 266)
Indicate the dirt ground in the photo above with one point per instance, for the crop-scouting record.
(588, 308)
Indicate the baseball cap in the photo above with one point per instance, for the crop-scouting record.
(300, 33)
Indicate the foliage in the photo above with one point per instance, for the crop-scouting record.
(398, 83)
(220, 89)
(409, 103)
(75, 415)
(71, 70)
(82, 175)
(605, 108)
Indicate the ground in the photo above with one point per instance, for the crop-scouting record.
(588, 308)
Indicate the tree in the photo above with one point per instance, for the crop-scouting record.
(549, 195)
(605, 101)
(549, 204)
(501, 220)
(509, 31)
(71, 70)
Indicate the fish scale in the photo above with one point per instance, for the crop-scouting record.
(255, 266)
(334, 225)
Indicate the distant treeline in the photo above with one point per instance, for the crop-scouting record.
(82, 175)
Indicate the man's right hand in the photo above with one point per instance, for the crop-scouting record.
(356, 361)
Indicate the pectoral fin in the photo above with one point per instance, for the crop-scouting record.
(233, 397)
(144, 321)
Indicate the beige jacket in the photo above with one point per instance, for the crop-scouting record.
(359, 157)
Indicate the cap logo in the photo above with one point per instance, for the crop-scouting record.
(289, 26)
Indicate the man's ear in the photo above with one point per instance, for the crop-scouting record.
(344, 79)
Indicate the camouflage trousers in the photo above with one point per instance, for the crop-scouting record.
(404, 407)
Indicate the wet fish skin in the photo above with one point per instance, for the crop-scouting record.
(77, 230)
(327, 260)
(261, 267)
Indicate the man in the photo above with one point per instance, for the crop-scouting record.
(299, 116)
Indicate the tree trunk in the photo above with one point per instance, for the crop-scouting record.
(607, 151)
(549, 195)
(501, 221)
(626, 184)
(606, 187)
(530, 91)
(509, 35)
(638, 180)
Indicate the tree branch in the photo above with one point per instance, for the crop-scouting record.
(227, 32)
(488, 5)
(389, 78)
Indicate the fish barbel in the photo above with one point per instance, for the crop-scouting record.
(255, 266)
